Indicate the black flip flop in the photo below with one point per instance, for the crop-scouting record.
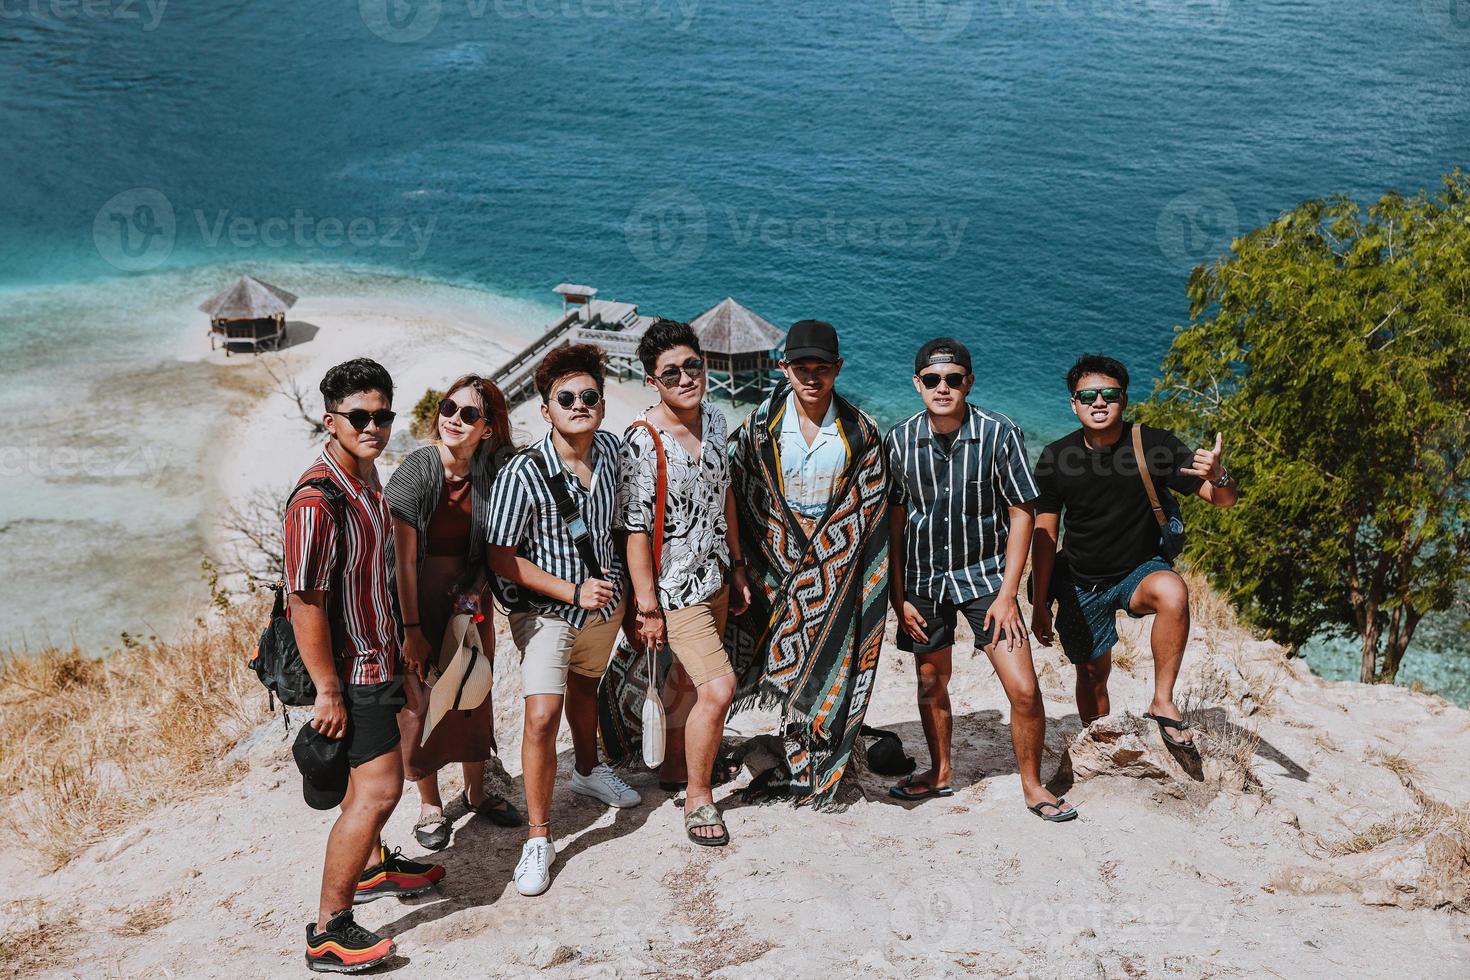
(496, 809)
(903, 790)
(1181, 726)
(1061, 816)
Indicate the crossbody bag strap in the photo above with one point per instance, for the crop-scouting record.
(660, 492)
(570, 514)
(1143, 474)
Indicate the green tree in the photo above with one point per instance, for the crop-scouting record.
(1332, 347)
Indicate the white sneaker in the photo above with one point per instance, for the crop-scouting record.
(605, 785)
(533, 871)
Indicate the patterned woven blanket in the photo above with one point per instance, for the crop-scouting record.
(809, 643)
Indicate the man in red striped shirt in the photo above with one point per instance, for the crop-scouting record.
(337, 576)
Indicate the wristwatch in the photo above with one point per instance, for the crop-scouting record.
(1225, 480)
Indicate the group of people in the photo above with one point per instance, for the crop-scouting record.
(753, 567)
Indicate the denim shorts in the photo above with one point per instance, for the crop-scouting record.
(1086, 618)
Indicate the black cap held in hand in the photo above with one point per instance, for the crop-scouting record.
(814, 339)
(323, 765)
(954, 352)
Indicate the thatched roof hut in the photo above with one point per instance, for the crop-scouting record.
(737, 347)
(248, 312)
(729, 328)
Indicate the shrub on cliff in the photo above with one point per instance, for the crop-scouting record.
(1333, 343)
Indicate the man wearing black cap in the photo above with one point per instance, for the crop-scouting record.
(811, 489)
(811, 448)
(959, 530)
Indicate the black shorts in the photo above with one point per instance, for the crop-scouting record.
(372, 719)
(941, 617)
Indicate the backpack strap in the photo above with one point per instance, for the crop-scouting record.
(333, 495)
(567, 510)
(1143, 474)
(660, 493)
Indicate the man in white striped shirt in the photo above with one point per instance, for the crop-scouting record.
(566, 638)
(959, 530)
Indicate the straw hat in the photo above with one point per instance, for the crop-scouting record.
(467, 677)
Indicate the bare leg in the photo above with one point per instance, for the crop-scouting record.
(702, 735)
(933, 672)
(1028, 717)
(429, 791)
(474, 783)
(538, 759)
(582, 719)
(679, 700)
(373, 790)
(1092, 688)
(1165, 595)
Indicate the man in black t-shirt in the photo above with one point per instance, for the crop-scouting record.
(1113, 556)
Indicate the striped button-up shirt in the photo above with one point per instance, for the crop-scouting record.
(956, 500)
(346, 551)
(524, 517)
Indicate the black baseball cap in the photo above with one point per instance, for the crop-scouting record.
(943, 350)
(811, 338)
(323, 765)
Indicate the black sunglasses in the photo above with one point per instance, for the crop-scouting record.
(931, 381)
(360, 417)
(1089, 395)
(589, 396)
(694, 367)
(468, 414)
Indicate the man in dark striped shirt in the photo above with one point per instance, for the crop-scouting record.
(962, 485)
(567, 637)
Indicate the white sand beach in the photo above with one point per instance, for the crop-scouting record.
(106, 512)
(422, 344)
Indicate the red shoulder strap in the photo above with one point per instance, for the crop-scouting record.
(660, 494)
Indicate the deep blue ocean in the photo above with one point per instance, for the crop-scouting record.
(1037, 177)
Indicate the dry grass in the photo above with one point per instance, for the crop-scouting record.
(88, 745)
(1211, 609)
(140, 920)
(1398, 764)
(1264, 687)
(1427, 816)
(1125, 654)
(41, 944)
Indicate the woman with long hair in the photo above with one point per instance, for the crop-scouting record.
(440, 499)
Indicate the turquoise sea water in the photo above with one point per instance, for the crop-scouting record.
(1035, 176)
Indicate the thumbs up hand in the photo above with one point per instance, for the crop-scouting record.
(1206, 464)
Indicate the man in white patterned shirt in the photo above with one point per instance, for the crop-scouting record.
(681, 596)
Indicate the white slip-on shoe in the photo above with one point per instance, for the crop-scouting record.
(533, 871)
(605, 785)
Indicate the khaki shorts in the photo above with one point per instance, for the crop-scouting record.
(550, 646)
(696, 636)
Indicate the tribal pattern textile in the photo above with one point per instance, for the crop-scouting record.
(810, 641)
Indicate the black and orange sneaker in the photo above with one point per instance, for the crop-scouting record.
(344, 946)
(395, 874)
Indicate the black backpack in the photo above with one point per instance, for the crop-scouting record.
(277, 660)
